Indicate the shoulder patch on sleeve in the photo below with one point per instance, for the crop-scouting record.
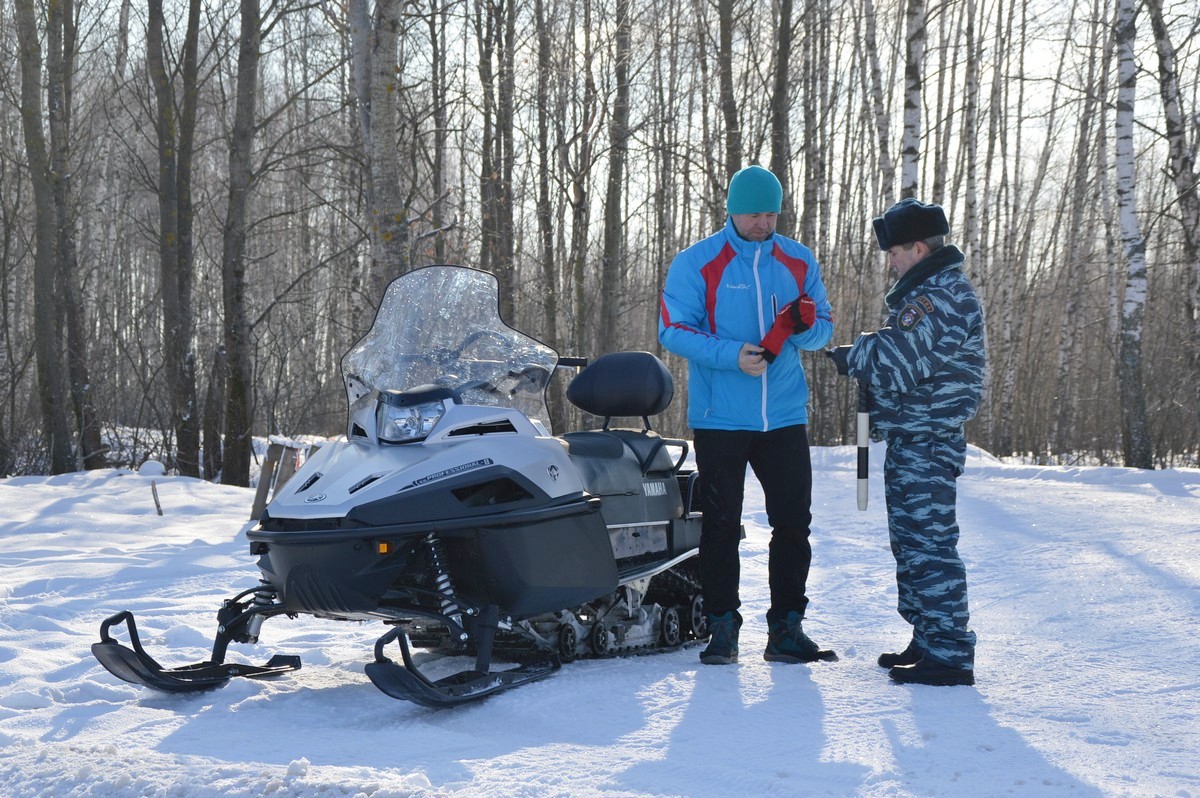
(911, 314)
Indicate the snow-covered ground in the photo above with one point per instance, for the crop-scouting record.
(1085, 594)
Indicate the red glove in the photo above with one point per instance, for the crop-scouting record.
(797, 316)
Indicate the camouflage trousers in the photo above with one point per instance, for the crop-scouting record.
(919, 475)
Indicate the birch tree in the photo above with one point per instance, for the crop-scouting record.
(914, 62)
(970, 142)
(1181, 168)
(1135, 432)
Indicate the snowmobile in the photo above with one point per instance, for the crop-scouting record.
(451, 513)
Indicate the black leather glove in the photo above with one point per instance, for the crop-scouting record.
(840, 355)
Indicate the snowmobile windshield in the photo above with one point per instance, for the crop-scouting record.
(440, 326)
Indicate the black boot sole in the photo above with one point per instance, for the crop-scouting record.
(713, 659)
(824, 655)
(943, 677)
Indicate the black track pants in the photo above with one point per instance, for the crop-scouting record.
(780, 460)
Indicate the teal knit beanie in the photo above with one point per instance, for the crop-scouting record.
(754, 190)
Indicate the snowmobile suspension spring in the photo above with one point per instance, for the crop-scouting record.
(442, 580)
(264, 596)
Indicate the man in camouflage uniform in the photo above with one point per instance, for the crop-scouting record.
(925, 373)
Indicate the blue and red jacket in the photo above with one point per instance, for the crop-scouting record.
(723, 292)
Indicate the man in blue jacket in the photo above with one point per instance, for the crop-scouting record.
(740, 305)
(925, 373)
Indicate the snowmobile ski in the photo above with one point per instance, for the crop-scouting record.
(136, 666)
(409, 684)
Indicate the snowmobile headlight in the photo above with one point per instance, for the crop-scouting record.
(407, 424)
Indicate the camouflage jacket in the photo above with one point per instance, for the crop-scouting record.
(926, 366)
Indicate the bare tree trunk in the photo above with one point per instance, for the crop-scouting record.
(729, 108)
(495, 29)
(545, 166)
(388, 213)
(1077, 253)
(438, 15)
(175, 144)
(812, 65)
(942, 126)
(887, 167)
(970, 226)
(914, 62)
(1182, 170)
(1000, 290)
(612, 257)
(485, 40)
(60, 69)
(548, 271)
(239, 382)
(214, 417)
(46, 300)
(579, 173)
(781, 102)
(358, 19)
(1135, 431)
(361, 38)
(12, 202)
(505, 264)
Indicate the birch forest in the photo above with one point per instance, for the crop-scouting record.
(201, 202)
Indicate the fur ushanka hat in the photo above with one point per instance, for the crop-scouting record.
(909, 220)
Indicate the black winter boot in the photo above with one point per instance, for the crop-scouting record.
(786, 642)
(929, 672)
(722, 646)
(909, 656)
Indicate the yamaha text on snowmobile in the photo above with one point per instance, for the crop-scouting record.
(453, 515)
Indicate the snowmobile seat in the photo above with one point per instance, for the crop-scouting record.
(649, 449)
(623, 384)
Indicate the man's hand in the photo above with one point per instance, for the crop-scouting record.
(840, 355)
(750, 360)
(797, 316)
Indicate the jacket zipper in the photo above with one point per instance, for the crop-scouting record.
(762, 332)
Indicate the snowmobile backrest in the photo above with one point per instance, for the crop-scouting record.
(623, 384)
